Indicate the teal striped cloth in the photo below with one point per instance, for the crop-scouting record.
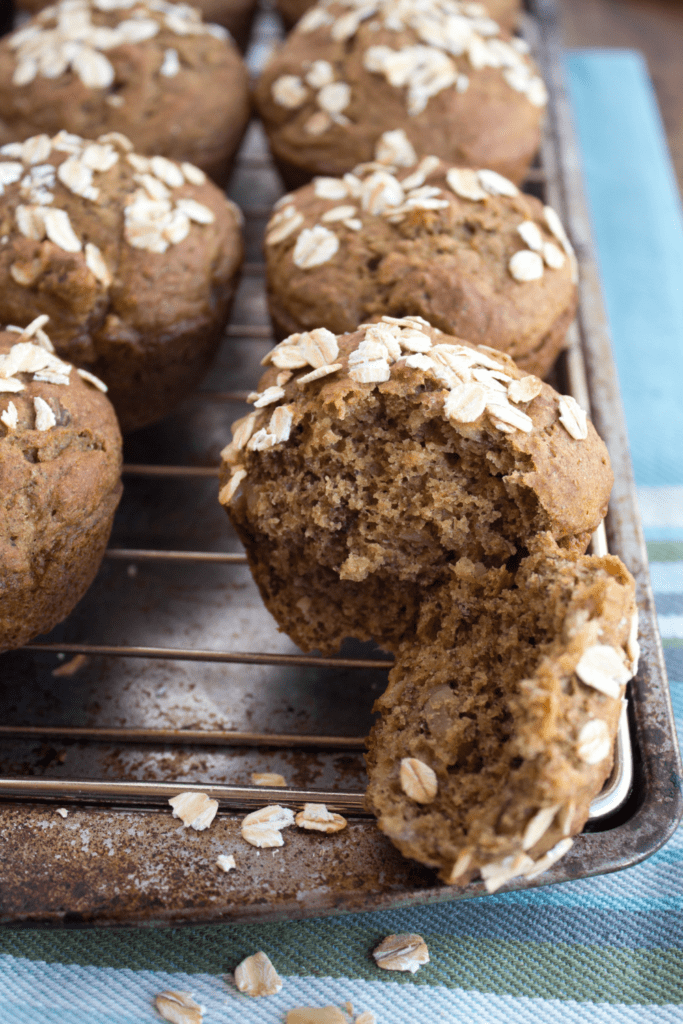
(607, 949)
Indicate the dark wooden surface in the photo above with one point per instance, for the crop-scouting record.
(655, 27)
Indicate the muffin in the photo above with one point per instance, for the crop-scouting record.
(497, 728)
(235, 15)
(60, 483)
(505, 12)
(375, 461)
(134, 258)
(457, 86)
(146, 68)
(462, 248)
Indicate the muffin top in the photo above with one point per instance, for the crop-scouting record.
(464, 249)
(60, 446)
(140, 67)
(505, 12)
(441, 70)
(374, 460)
(96, 235)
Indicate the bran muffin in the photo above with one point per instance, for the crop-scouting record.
(497, 728)
(135, 259)
(462, 248)
(505, 12)
(235, 15)
(149, 69)
(376, 460)
(348, 72)
(60, 483)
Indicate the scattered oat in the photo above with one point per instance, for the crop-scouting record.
(594, 743)
(367, 1017)
(62, 812)
(316, 1015)
(71, 667)
(418, 780)
(178, 1008)
(256, 976)
(338, 213)
(263, 828)
(318, 818)
(404, 952)
(226, 862)
(194, 809)
(573, 418)
(197, 212)
(268, 779)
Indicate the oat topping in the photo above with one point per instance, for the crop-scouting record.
(395, 148)
(194, 809)
(45, 417)
(525, 390)
(405, 952)
(330, 188)
(322, 371)
(321, 73)
(314, 246)
(537, 827)
(465, 183)
(289, 91)
(170, 66)
(499, 872)
(256, 976)
(10, 416)
(178, 1008)
(594, 743)
(603, 668)
(226, 862)
(62, 812)
(152, 219)
(526, 265)
(338, 213)
(263, 828)
(317, 818)
(92, 379)
(65, 37)
(573, 418)
(268, 779)
(418, 780)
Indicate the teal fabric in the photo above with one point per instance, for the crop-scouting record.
(606, 949)
(638, 227)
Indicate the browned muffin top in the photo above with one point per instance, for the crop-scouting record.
(462, 248)
(375, 459)
(350, 71)
(60, 481)
(150, 69)
(122, 251)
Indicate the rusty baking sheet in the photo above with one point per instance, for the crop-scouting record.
(99, 718)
